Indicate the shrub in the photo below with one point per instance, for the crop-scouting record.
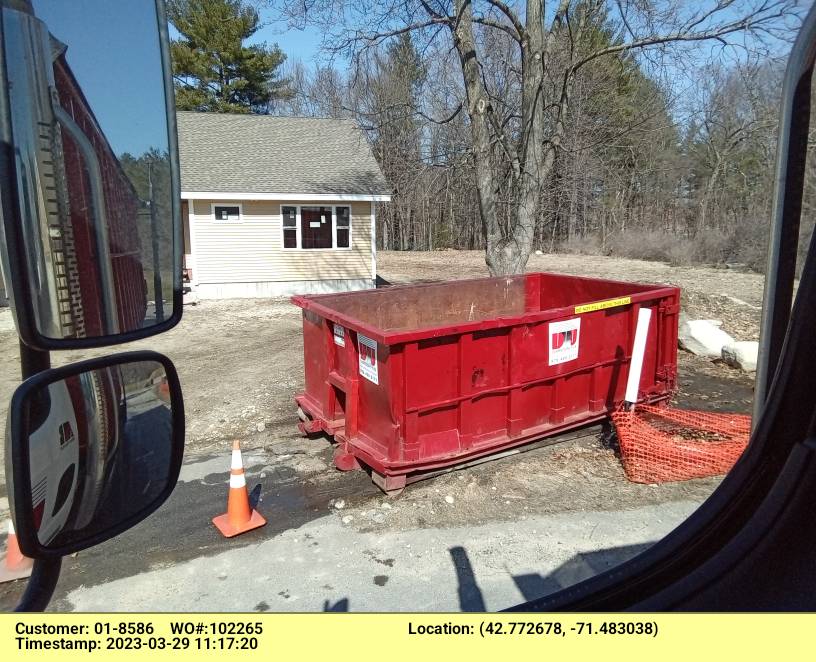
(681, 252)
(581, 245)
(639, 244)
(713, 247)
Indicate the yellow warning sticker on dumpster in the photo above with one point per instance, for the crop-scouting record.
(600, 305)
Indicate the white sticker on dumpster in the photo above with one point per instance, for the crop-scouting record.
(564, 340)
(339, 335)
(367, 349)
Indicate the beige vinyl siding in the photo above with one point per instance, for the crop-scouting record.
(252, 250)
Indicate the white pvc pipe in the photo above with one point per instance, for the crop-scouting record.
(638, 350)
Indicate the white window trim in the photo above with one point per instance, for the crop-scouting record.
(227, 204)
(191, 225)
(373, 242)
(298, 225)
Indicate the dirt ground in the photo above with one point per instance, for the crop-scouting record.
(240, 364)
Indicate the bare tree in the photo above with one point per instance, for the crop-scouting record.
(553, 45)
(737, 111)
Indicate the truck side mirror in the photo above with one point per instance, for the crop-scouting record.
(91, 449)
(91, 250)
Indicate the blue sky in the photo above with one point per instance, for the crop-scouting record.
(301, 45)
(122, 84)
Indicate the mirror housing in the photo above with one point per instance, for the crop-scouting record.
(91, 238)
(97, 403)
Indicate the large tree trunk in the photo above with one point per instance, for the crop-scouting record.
(533, 163)
(534, 158)
(478, 107)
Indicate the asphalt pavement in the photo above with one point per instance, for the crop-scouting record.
(314, 556)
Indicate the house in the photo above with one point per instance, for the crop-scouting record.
(277, 205)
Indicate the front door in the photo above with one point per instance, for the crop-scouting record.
(316, 227)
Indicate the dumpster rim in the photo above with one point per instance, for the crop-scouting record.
(312, 303)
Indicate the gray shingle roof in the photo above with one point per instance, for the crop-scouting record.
(266, 154)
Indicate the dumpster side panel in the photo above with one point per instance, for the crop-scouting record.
(315, 360)
(432, 371)
(376, 425)
(485, 367)
(431, 388)
(558, 290)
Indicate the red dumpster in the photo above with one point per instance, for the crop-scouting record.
(415, 378)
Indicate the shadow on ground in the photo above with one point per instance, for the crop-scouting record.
(533, 585)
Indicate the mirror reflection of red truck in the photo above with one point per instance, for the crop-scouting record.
(80, 255)
(54, 452)
(68, 471)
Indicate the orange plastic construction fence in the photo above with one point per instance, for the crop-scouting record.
(660, 444)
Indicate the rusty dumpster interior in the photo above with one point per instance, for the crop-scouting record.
(458, 302)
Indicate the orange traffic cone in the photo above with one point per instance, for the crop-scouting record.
(14, 565)
(239, 517)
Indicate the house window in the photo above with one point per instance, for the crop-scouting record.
(343, 227)
(289, 215)
(227, 212)
(309, 227)
(315, 227)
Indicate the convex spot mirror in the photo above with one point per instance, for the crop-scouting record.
(92, 449)
(90, 194)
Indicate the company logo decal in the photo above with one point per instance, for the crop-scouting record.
(564, 339)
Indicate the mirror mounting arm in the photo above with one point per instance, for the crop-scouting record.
(33, 361)
(41, 585)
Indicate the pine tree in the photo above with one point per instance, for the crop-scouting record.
(212, 68)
